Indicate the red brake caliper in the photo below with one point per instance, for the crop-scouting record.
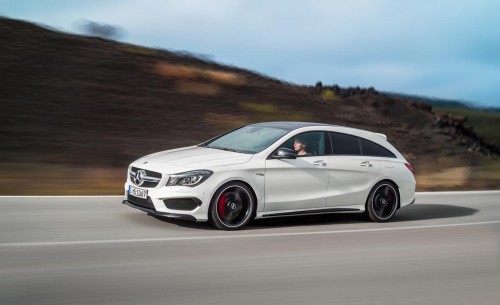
(221, 205)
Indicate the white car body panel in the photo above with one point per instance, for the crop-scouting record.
(305, 188)
(279, 185)
(349, 181)
(194, 157)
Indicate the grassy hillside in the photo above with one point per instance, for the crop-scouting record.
(77, 110)
(485, 123)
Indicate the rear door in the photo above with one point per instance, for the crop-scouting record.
(352, 173)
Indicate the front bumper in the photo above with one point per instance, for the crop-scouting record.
(173, 201)
(159, 213)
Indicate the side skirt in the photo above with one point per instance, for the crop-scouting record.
(309, 212)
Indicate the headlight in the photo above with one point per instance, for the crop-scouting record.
(192, 178)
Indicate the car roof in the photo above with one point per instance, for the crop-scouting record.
(378, 138)
(290, 125)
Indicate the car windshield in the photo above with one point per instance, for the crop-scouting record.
(248, 139)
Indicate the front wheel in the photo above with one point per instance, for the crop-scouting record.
(382, 202)
(232, 206)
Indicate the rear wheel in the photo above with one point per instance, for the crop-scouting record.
(232, 206)
(382, 202)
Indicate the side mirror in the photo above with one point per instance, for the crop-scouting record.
(285, 153)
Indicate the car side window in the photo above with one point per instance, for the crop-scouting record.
(370, 148)
(311, 143)
(344, 144)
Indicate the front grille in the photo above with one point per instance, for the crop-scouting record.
(183, 204)
(150, 180)
(145, 203)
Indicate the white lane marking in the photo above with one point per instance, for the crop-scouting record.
(167, 239)
(121, 196)
(63, 196)
(460, 192)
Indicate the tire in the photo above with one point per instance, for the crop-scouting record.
(382, 202)
(232, 206)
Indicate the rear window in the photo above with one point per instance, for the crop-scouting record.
(368, 148)
(343, 144)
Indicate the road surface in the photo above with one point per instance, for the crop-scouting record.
(445, 249)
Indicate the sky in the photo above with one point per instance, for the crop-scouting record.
(444, 49)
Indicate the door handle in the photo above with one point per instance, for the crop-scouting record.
(319, 163)
(366, 164)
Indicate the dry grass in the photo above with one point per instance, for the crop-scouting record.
(44, 179)
(224, 122)
(451, 178)
(450, 174)
(137, 49)
(268, 112)
(198, 88)
(225, 78)
(176, 71)
(183, 73)
(259, 108)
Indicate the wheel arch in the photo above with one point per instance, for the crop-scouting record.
(254, 195)
(385, 180)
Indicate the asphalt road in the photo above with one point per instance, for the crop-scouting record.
(445, 249)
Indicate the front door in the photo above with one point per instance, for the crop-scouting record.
(301, 183)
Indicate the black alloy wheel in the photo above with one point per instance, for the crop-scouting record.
(232, 206)
(382, 202)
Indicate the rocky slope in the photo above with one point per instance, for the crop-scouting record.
(76, 100)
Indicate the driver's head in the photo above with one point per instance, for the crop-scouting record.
(299, 145)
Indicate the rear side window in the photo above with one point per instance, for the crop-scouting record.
(369, 148)
(343, 144)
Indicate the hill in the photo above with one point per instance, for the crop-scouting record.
(444, 103)
(87, 105)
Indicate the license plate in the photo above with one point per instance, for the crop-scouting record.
(137, 192)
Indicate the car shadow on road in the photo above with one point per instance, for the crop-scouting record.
(416, 212)
(425, 211)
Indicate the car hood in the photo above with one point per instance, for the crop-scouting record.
(193, 157)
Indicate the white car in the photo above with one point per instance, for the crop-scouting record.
(274, 169)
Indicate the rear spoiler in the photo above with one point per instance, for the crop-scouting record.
(383, 136)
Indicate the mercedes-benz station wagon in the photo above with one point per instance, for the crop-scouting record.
(274, 169)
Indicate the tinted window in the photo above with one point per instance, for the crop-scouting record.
(343, 144)
(372, 149)
(313, 143)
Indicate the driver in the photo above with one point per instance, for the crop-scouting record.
(300, 147)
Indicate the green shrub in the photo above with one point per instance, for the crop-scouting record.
(328, 95)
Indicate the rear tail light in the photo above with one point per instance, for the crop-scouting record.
(408, 166)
